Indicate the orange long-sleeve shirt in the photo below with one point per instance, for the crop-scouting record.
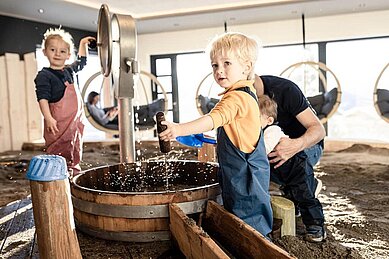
(238, 113)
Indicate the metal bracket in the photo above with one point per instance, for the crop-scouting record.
(132, 66)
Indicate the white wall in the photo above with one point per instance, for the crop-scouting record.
(358, 25)
(328, 28)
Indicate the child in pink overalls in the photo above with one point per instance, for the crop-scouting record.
(59, 100)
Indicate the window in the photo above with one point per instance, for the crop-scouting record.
(180, 75)
(163, 67)
(274, 60)
(191, 70)
(357, 64)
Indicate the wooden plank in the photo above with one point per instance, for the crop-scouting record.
(192, 240)
(20, 236)
(5, 127)
(239, 238)
(7, 214)
(34, 117)
(34, 252)
(207, 153)
(17, 100)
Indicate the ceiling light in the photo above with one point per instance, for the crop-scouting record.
(41, 10)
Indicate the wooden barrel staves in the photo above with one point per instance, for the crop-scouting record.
(130, 202)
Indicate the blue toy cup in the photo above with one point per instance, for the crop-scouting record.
(47, 168)
(195, 140)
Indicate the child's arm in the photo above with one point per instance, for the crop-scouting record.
(272, 136)
(80, 62)
(82, 49)
(200, 125)
(51, 123)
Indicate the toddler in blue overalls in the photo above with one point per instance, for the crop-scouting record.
(244, 172)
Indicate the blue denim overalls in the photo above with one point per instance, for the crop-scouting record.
(244, 180)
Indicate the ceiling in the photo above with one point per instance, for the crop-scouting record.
(171, 15)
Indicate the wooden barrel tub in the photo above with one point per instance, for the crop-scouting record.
(129, 202)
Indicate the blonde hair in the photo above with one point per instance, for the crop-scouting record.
(245, 48)
(59, 34)
(267, 106)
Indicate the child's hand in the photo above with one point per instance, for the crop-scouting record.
(51, 125)
(171, 132)
(82, 49)
(86, 40)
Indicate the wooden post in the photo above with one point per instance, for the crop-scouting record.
(284, 209)
(52, 207)
(207, 153)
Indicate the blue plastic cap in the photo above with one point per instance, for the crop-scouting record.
(47, 168)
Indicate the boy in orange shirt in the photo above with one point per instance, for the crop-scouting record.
(244, 172)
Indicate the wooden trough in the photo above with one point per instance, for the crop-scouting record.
(130, 202)
(219, 235)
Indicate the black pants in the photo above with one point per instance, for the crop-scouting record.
(296, 177)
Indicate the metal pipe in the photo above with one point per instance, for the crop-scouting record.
(126, 132)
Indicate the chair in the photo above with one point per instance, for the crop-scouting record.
(325, 103)
(205, 104)
(381, 98)
(143, 114)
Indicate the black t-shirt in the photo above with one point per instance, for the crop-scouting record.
(50, 83)
(290, 102)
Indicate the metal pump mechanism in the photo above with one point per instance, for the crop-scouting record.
(117, 48)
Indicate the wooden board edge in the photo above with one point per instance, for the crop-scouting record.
(239, 236)
(193, 241)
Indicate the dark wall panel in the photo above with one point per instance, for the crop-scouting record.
(22, 36)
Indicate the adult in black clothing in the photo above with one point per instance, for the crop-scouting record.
(292, 160)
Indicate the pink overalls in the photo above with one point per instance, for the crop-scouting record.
(69, 114)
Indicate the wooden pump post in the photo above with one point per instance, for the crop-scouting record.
(52, 207)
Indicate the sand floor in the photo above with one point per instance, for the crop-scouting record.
(355, 199)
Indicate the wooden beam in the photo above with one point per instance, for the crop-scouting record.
(19, 235)
(242, 240)
(5, 126)
(34, 117)
(192, 240)
(17, 100)
(7, 214)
